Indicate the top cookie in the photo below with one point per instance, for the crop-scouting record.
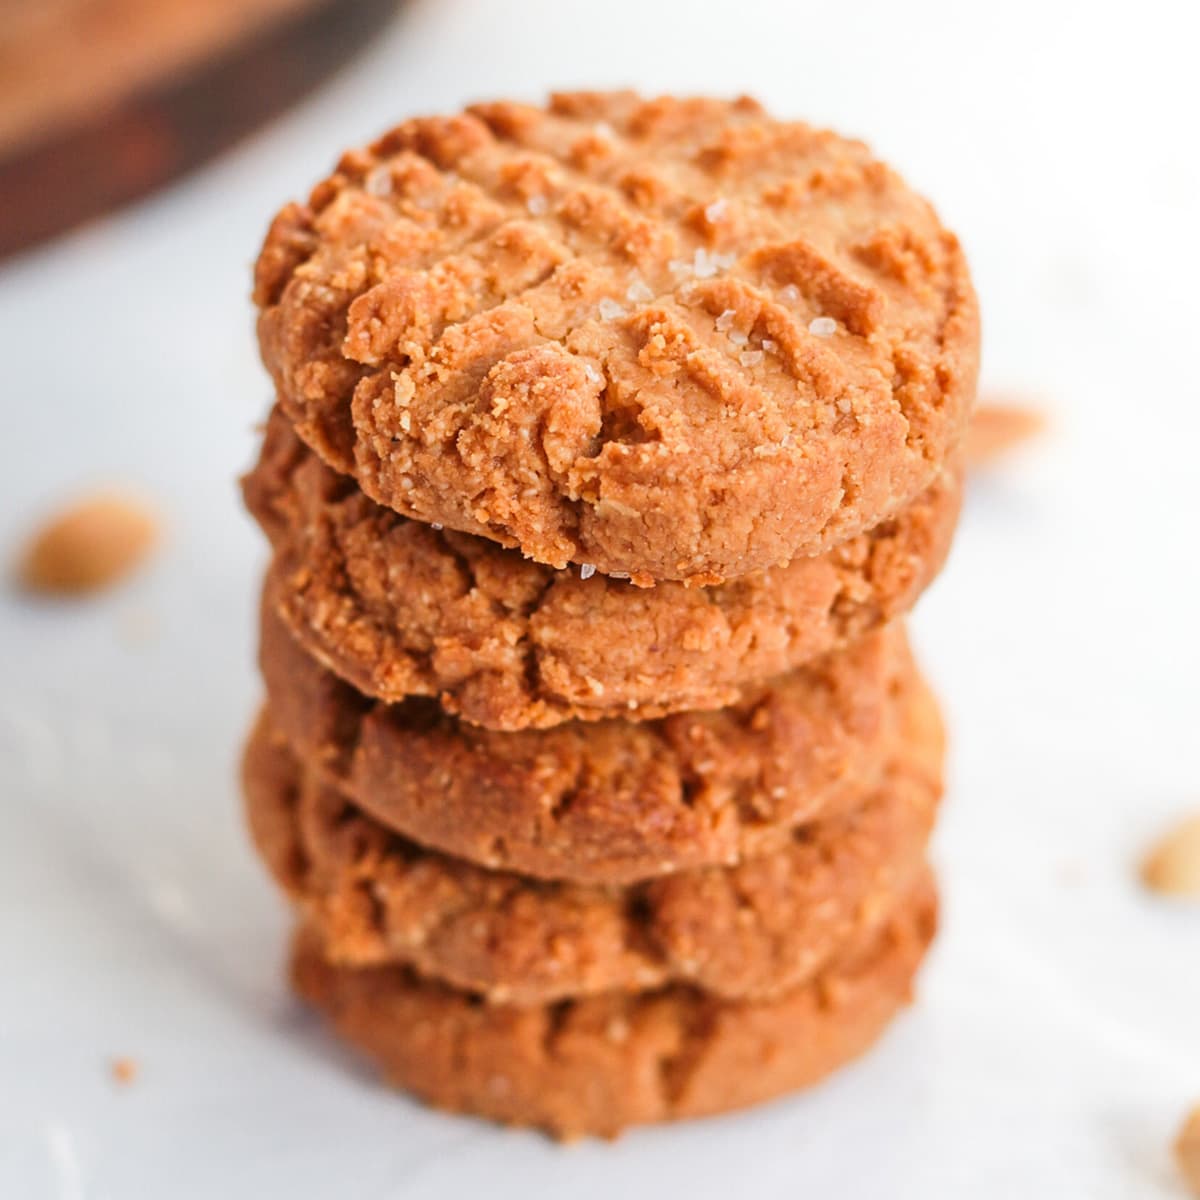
(667, 339)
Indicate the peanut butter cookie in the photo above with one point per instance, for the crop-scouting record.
(605, 1062)
(662, 339)
(607, 801)
(398, 608)
(755, 929)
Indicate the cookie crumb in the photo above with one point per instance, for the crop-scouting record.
(1172, 867)
(90, 546)
(996, 427)
(1187, 1151)
(124, 1070)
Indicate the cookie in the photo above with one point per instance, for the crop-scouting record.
(755, 929)
(606, 801)
(597, 1065)
(398, 608)
(668, 339)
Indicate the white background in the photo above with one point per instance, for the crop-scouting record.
(1057, 1040)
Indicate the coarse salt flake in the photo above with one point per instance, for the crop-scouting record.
(725, 320)
(822, 327)
(437, 525)
(537, 205)
(587, 570)
(770, 346)
(750, 358)
(716, 210)
(844, 405)
(610, 309)
(705, 265)
(593, 376)
(379, 182)
(790, 293)
(638, 292)
(737, 337)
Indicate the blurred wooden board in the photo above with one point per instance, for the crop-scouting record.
(103, 100)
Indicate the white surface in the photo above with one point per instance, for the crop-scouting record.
(1057, 1041)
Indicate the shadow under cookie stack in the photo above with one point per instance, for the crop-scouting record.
(611, 442)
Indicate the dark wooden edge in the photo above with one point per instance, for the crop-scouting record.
(177, 124)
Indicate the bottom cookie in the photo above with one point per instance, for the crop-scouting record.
(597, 1065)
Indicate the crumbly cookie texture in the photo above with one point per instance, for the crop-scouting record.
(398, 608)
(597, 1065)
(610, 801)
(668, 339)
(755, 929)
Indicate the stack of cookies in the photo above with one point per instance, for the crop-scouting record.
(611, 440)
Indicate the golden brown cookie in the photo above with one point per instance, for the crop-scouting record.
(398, 608)
(668, 339)
(605, 1062)
(755, 929)
(607, 801)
